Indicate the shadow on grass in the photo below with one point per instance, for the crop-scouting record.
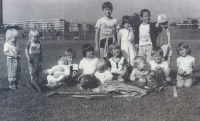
(4, 89)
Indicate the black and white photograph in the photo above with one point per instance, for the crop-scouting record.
(99, 60)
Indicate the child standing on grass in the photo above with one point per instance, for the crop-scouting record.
(106, 29)
(145, 35)
(185, 64)
(117, 64)
(88, 67)
(34, 54)
(125, 40)
(12, 51)
(163, 39)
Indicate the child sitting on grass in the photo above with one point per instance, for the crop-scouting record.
(117, 64)
(71, 55)
(12, 51)
(159, 67)
(139, 74)
(57, 74)
(88, 67)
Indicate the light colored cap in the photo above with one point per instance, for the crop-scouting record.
(162, 18)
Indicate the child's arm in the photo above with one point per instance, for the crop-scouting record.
(41, 54)
(119, 35)
(97, 33)
(6, 51)
(133, 75)
(27, 53)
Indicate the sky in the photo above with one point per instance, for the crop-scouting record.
(72, 10)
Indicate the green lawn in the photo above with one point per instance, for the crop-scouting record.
(25, 104)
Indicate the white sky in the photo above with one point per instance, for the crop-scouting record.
(14, 10)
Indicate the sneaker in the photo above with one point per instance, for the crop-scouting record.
(12, 87)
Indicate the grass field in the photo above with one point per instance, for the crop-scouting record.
(25, 104)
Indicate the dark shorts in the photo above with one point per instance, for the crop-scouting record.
(103, 42)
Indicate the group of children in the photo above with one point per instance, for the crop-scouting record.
(118, 48)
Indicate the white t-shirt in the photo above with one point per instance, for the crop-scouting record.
(103, 76)
(117, 67)
(88, 66)
(126, 36)
(14, 49)
(145, 38)
(186, 64)
(107, 27)
(162, 65)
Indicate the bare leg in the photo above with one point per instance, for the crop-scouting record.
(169, 60)
(188, 83)
(101, 52)
(175, 91)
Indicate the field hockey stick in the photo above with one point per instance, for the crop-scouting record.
(152, 89)
(77, 93)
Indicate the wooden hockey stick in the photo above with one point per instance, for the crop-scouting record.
(77, 93)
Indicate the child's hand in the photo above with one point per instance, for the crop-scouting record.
(158, 67)
(15, 56)
(74, 74)
(142, 80)
(180, 71)
(137, 46)
(97, 49)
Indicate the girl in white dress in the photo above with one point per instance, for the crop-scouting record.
(125, 40)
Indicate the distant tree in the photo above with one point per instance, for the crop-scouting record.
(194, 21)
(185, 22)
(135, 19)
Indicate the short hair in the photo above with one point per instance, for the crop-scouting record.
(143, 11)
(70, 52)
(101, 63)
(113, 46)
(33, 33)
(126, 19)
(107, 5)
(11, 33)
(85, 48)
(183, 45)
(157, 50)
(137, 60)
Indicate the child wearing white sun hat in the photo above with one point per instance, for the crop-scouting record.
(163, 39)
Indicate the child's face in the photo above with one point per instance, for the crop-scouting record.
(13, 39)
(34, 39)
(164, 24)
(157, 58)
(127, 25)
(107, 12)
(116, 52)
(90, 54)
(141, 65)
(70, 59)
(183, 52)
(146, 17)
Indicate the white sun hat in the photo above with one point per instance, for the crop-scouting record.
(162, 18)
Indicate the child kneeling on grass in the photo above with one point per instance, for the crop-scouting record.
(88, 67)
(185, 64)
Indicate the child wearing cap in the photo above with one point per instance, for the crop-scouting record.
(163, 39)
